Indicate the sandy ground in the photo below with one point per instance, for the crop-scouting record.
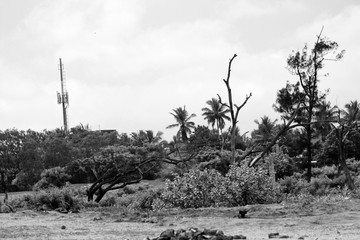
(314, 221)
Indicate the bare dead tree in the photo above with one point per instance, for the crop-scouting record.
(234, 109)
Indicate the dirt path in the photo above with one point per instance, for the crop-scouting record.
(332, 221)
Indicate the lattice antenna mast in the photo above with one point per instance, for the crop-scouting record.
(63, 97)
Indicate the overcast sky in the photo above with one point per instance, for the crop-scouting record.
(129, 63)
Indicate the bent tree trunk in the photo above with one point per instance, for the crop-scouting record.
(3, 185)
(100, 188)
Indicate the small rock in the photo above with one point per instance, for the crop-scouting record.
(98, 218)
(180, 232)
(169, 233)
(182, 238)
(273, 235)
(210, 231)
(239, 237)
(227, 238)
(163, 238)
(62, 210)
(220, 233)
(284, 236)
(63, 227)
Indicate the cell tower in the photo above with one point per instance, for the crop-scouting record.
(63, 97)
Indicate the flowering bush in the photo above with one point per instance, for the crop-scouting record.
(240, 186)
(248, 185)
(194, 189)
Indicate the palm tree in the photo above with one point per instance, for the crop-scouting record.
(148, 136)
(352, 112)
(182, 118)
(348, 123)
(325, 114)
(265, 132)
(264, 135)
(216, 114)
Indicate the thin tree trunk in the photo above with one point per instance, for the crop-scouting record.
(233, 134)
(349, 180)
(272, 170)
(309, 155)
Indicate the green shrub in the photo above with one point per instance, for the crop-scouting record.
(109, 201)
(194, 189)
(354, 165)
(49, 199)
(319, 186)
(210, 158)
(129, 190)
(125, 201)
(145, 200)
(208, 188)
(248, 185)
(53, 177)
(292, 185)
(283, 164)
(328, 171)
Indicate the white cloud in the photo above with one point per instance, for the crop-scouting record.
(129, 63)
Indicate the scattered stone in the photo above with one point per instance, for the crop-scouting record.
(239, 237)
(98, 218)
(62, 210)
(274, 235)
(169, 233)
(303, 237)
(243, 212)
(196, 234)
(277, 235)
(151, 220)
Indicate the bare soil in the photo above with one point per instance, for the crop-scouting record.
(340, 220)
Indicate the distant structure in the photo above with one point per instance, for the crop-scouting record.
(63, 98)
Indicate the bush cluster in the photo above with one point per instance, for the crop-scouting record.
(52, 177)
(208, 188)
(248, 185)
(50, 199)
(325, 181)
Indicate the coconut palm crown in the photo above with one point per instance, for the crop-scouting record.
(352, 112)
(182, 119)
(215, 114)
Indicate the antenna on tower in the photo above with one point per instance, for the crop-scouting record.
(63, 98)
